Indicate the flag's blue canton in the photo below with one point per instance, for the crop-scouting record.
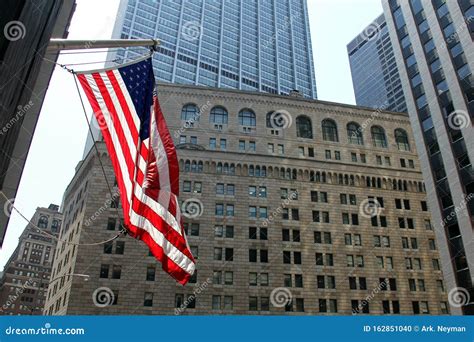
(140, 83)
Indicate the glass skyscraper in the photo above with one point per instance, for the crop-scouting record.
(434, 49)
(259, 45)
(374, 70)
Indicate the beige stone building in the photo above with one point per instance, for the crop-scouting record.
(26, 275)
(293, 206)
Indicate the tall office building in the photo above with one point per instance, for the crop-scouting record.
(251, 45)
(374, 70)
(27, 273)
(283, 197)
(27, 27)
(433, 46)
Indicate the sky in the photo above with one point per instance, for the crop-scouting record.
(60, 135)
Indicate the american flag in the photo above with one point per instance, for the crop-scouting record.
(144, 159)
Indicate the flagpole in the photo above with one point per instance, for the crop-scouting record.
(57, 44)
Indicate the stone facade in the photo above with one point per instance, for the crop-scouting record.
(26, 275)
(263, 234)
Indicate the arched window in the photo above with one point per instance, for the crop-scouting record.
(43, 222)
(190, 112)
(187, 166)
(329, 130)
(55, 226)
(401, 137)
(304, 128)
(219, 115)
(354, 134)
(247, 118)
(378, 136)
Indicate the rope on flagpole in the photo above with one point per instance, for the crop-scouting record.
(41, 231)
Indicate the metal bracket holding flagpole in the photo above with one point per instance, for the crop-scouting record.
(57, 44)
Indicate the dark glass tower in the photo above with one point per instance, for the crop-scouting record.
(433, 45)
(374, 69)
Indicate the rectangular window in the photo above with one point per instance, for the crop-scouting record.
(116, 271)
(271, 148)
(150, 273)
(216, 302)
(104, 271)
(301, 151)
(253, 303)
(281, 149)
(148, 300)
(229, 254)
(212, 143)
(119, 247)
(111, 223)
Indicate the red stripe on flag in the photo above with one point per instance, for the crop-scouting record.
(129, 159)
(108, 143)
(168, 265)
(160, 224)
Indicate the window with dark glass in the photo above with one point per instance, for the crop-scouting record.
(329, 129)
(304, 127)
